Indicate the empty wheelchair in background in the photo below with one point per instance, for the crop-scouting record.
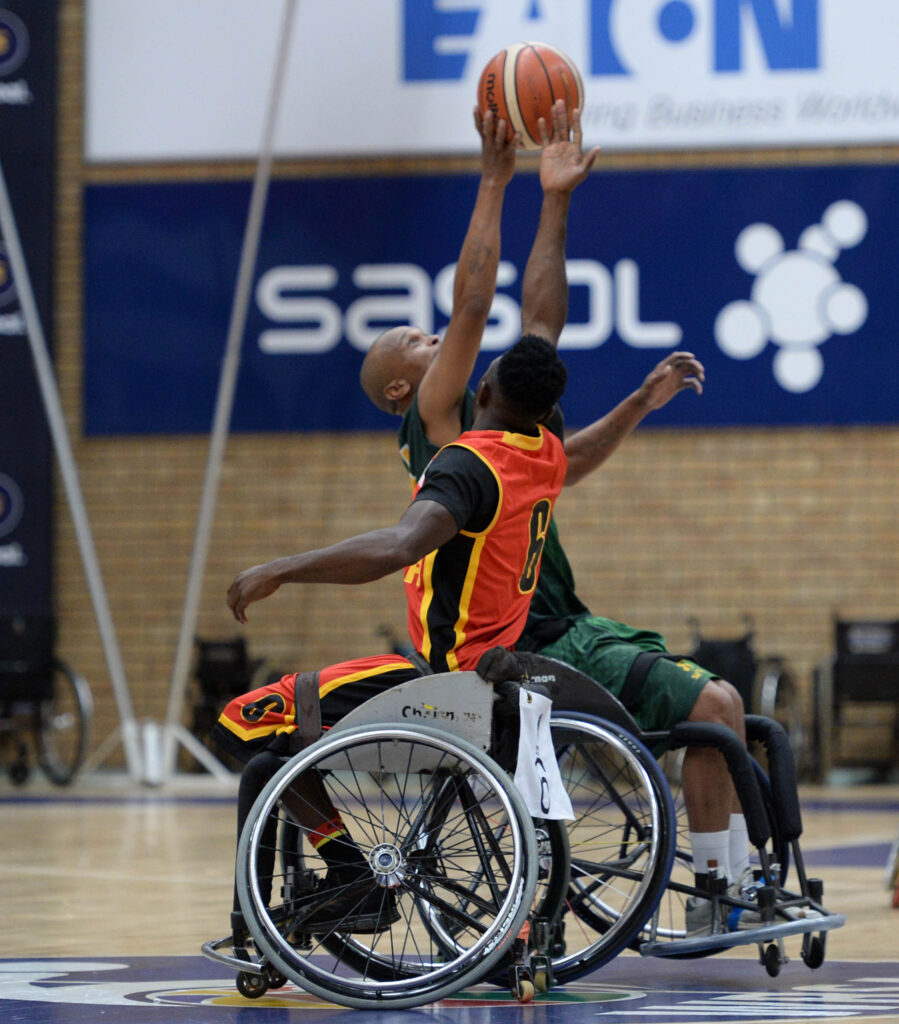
(766, 683)
(465, 886)
(222, 669)
(45, 707)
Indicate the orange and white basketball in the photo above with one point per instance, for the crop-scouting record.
(522, 82)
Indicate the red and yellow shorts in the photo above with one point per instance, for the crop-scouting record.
(251, 722)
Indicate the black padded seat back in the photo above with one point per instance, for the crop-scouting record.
(571, 690)
(26, 655)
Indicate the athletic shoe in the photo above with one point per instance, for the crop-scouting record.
(350, 901)
(741, 919)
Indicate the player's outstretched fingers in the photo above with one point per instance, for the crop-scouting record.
(543, 132)
(576, 132)
(560, 122)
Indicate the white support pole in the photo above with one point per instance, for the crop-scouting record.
(50, 394)
(174, 731)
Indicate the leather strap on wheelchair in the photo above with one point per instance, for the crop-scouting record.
(636, 677)
(308, 707)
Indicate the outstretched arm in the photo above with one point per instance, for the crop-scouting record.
(589, 448)
(424, 526)
(544, 289)
(442, 388)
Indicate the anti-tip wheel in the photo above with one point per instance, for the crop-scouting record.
(526, 992)
(273, 977)
(813, 955)
(251, 986)
(773, 961)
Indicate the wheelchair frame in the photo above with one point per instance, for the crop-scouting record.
(561, 910)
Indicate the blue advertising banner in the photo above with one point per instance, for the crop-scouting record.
(27, 148)
(779, 280)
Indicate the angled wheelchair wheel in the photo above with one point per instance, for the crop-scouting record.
(445, 836)
(776, 695)
(621, 840)
(62, 725)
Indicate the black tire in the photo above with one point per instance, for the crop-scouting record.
(62, 725)
(622, 840)
(384, 780)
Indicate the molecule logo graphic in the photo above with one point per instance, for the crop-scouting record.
(798, 299)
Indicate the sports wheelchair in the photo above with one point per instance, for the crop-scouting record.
(41, 698)
(467, 886)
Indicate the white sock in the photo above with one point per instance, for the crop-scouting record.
(711, 848)
(739, 845)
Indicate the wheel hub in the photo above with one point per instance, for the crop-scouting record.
(387, 864)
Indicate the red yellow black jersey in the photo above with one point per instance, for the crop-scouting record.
(473, 593)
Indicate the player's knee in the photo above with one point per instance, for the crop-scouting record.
(258, 770)
(720, 704)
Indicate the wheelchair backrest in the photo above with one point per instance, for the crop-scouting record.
(26, 643)
(571, 690)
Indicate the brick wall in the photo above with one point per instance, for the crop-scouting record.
(786, 525)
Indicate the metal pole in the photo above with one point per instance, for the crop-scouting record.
(225, 402)
(53, 406)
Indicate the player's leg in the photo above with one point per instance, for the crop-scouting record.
(260, 728)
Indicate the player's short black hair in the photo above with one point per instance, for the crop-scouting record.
(531, 376)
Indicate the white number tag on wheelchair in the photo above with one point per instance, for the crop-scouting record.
(537, 775)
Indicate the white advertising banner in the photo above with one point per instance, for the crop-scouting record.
(189, 79)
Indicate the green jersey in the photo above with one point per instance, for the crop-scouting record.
(554, 597)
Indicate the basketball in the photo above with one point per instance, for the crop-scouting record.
(522, 82)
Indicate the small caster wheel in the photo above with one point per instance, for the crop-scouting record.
(251, 986)
(814, 954)
(772, 960)
(541, 980)
(18, 772)
(273, 977)
(526, 991)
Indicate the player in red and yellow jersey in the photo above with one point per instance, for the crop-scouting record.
(470, 542)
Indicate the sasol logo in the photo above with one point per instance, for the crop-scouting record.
(622, 37)
(309, 322)
(798, 299)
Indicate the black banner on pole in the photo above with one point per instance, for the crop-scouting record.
(27, 150)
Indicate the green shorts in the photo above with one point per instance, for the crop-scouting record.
(605, 650)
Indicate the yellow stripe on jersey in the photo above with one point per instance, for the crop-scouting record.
(254, 733)
(427, 569)
(352, 677)
(474, 561)
(525, 441)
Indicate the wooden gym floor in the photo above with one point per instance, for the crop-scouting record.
(109, 888)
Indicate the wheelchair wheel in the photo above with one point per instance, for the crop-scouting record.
(444, 833)
(62, 725)
(672, 907)
(777, 696)
(621, 841)
(553, 877)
